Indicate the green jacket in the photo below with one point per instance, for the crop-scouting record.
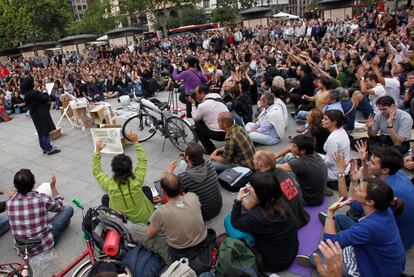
(143, 208)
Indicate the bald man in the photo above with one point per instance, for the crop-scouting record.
(180, 218)
(238, 149)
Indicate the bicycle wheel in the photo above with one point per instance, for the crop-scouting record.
(143, 124)
(180, 132)
(84, 269)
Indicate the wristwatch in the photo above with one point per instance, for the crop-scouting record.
(341, 175)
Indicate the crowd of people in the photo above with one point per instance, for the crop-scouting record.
(325, 70)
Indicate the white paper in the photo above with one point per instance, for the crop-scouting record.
(110, 137)
(45, 189)
(49, 87)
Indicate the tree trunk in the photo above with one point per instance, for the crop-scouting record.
(164, 21)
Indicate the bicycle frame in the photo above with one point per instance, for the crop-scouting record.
(88, 252)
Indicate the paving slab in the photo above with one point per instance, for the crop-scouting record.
(19, 149)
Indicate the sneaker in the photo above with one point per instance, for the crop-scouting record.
(303, 261)
(53, 151)
(293, 114)
(322, 217)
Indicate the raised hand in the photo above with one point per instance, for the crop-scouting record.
(370, 121)
(362, 148)
(53, 183)
(339, 204)
(133, 137)
(171, 166)
(333, 255)
(99, 146)
(355, 172)
(340, 161)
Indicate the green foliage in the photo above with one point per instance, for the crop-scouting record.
(313, 5)
(131, 6)
(24, 21)
(191, 15)
(96, 20)
(245, 4)
(186, 16)
(222, 14)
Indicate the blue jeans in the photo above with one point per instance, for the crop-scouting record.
(61, 221)
(4, 225)
(138, 89)
(45, 143)
(124, 91)
(261, 138)
(343, 222)
(301, 115)
(220, 167)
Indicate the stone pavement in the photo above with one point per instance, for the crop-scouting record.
(19, 149)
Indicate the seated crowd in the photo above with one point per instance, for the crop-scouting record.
(324, 76)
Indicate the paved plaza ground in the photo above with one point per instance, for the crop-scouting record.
(19, 149)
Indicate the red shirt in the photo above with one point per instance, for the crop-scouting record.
(230, 39)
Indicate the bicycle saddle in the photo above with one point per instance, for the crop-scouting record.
(29, 243)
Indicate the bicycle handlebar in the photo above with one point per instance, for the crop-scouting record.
(77, 203)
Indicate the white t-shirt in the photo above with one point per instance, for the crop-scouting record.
(379, 92)
(392, 88)
(338, 141)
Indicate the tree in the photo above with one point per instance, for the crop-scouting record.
(191, 15)
(222, 14)
(96, 20)
(163, 5)
(246, 4)
(128, 7)
(236, 5)
(23, 21)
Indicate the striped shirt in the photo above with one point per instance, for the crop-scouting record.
(207, 190)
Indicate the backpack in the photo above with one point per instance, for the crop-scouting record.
(179, 268)
(234, 253)
(143, 262)
(107, 266)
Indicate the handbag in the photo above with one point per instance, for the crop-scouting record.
(179, 268)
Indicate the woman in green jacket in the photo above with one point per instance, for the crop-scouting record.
(124, 189)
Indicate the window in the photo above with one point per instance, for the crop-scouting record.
(206, 4)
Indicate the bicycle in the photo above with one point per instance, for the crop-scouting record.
(17, 269)
(152, 117)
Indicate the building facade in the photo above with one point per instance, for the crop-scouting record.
(79, 8)
(297, 7)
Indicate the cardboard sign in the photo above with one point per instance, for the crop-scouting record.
(111, 138)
